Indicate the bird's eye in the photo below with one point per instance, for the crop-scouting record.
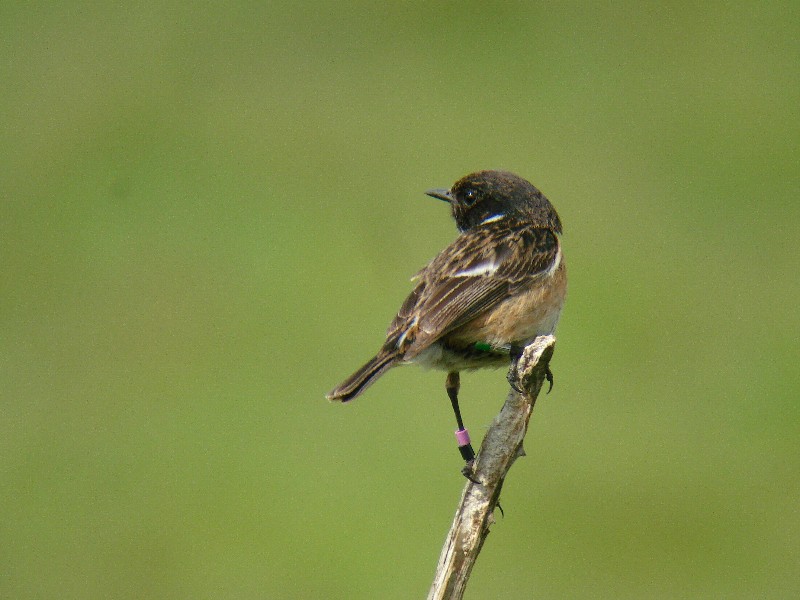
(470, 196)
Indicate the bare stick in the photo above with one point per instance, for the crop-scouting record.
(501, 446)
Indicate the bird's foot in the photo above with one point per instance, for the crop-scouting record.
(513, 378)
(515, 352)
(468, 471)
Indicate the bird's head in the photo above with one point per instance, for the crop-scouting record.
(487, 196)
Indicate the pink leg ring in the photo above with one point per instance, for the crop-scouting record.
(462, 437)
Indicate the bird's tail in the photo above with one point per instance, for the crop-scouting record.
(360, 380)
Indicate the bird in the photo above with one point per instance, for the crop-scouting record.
(501, 283)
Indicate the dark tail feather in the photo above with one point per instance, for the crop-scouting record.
(363, 378)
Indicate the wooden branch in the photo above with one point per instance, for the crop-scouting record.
(501, 446)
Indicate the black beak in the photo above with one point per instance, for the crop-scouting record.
(441, 194)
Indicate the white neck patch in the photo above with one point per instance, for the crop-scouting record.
(556, 263)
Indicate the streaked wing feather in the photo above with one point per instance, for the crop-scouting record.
(406, 312)
(456, 301)
(444, 301)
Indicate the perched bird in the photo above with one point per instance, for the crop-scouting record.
(501, 283)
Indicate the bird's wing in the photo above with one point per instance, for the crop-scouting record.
(469, 277)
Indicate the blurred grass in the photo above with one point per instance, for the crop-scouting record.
(209, 216)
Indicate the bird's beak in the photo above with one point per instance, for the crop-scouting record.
(441, 194)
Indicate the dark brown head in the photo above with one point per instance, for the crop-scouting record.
(488, 196)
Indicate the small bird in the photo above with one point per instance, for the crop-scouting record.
(500, 284)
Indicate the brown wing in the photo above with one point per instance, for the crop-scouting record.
(469, 277)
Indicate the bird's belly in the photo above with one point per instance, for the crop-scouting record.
(447, 358)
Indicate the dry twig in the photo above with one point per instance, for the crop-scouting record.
(501, 446)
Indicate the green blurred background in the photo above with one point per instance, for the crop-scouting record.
(210, 214)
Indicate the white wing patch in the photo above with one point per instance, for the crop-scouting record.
(483, 268)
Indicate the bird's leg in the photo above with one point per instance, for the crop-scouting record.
(452, 386)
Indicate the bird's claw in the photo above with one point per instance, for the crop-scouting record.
(548, 375)
(468, 471)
